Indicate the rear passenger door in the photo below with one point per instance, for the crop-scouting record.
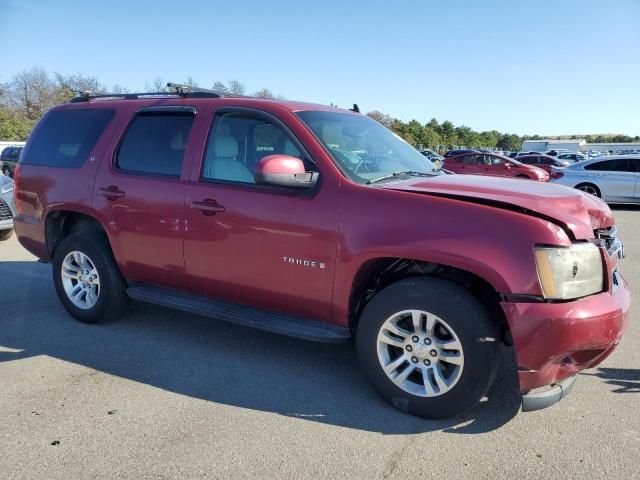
(615, 178)
(140, 192)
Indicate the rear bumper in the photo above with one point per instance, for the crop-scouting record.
(31, 235)
(555, 341)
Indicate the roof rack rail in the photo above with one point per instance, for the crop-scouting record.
(175, 89)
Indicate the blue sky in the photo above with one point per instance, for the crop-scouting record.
(545, 67)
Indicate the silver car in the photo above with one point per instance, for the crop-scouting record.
(7, 207)
(615, 179)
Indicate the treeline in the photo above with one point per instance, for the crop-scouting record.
(445, 135)
(29, 94)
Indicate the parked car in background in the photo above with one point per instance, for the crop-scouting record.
(451, 153)
(594, 153)
(7, 207)
(9, 159)
(521, 154)
(495, 165)
(613, 178)
(436, 158)
(544, 162)
(320, 223)
(572, 157)
(556, 152)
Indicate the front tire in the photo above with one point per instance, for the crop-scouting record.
(428, 347)
(87, 279)
(589, 188)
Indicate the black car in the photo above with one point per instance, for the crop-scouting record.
(9, 159)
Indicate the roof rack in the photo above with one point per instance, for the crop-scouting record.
(175, 90)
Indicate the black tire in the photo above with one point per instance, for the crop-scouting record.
(590, 188)
(112, 300)
(522, 176)
(6, 234)
(460, 310)
(6, 171)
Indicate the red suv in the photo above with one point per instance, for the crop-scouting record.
(493, 164)
(319, 223)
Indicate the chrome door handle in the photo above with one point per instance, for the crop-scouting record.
(208, 207)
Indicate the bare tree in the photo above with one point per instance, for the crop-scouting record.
(190, 82)
(220, 87)
(117, 88)
(31, 93)
(69, 85)
(264, 93)
(236, 88)
(158, 85)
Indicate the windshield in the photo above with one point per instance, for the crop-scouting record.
(363, 149)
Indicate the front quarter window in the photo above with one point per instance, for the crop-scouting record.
(363, 149)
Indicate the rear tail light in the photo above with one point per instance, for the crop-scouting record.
(556, 174)
(16, 189)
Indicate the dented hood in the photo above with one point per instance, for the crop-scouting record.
(574, 210)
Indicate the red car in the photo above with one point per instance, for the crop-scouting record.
(545, 162)
(495, 165)
(319, 223)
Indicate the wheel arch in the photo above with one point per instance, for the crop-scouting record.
(62, 222)
(378, 273)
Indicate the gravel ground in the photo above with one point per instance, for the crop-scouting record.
(162, 394)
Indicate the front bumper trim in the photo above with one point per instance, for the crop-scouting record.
(537, 401)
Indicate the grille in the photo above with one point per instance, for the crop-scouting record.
(5, 211)
(610, 241)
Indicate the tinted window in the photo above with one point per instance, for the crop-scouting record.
(471, 159)
(491, 160)
(64, 138)
(528, 160)
(238, 143)
(620, 165)
(155, 143)
(634, 164)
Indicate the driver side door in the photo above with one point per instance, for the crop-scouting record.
(263, 246)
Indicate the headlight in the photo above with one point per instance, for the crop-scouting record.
(567, 273)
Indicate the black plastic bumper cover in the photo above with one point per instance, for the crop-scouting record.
(540, 400)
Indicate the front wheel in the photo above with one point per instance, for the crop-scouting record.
(428, 346)
(589, 188)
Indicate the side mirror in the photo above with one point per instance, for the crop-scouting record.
(284, 171)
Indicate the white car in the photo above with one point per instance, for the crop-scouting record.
(615, 179)
(572, 157)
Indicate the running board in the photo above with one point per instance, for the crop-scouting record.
(268, 320)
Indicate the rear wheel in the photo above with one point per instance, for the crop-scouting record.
(522, 176)
(87, 279)
(428, 346)
(6, 171)
(589, 188)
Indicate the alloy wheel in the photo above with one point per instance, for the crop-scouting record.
(80, 280)
(420, 353)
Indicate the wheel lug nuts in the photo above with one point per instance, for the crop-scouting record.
(427, 341)
(409, 348)
(415, 339)
(414, 359)
(433, 353)
(427, 362)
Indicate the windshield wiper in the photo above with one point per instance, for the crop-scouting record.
(399, 174)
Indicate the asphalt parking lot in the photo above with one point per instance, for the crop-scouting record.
(162, 394)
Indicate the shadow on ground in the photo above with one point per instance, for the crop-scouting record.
(221, 362)
(626, 380)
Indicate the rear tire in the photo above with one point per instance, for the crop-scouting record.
(444, 382)
(522, 176)
(6, 234)
(90, 285)
(590, 188)
(6, 171)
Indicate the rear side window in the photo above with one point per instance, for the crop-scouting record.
(66, 137)
(154, 144)
(620, 165)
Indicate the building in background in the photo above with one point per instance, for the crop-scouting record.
(577, 145)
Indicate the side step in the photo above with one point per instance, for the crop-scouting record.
(268, 320)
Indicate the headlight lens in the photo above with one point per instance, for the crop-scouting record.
(567, 273)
